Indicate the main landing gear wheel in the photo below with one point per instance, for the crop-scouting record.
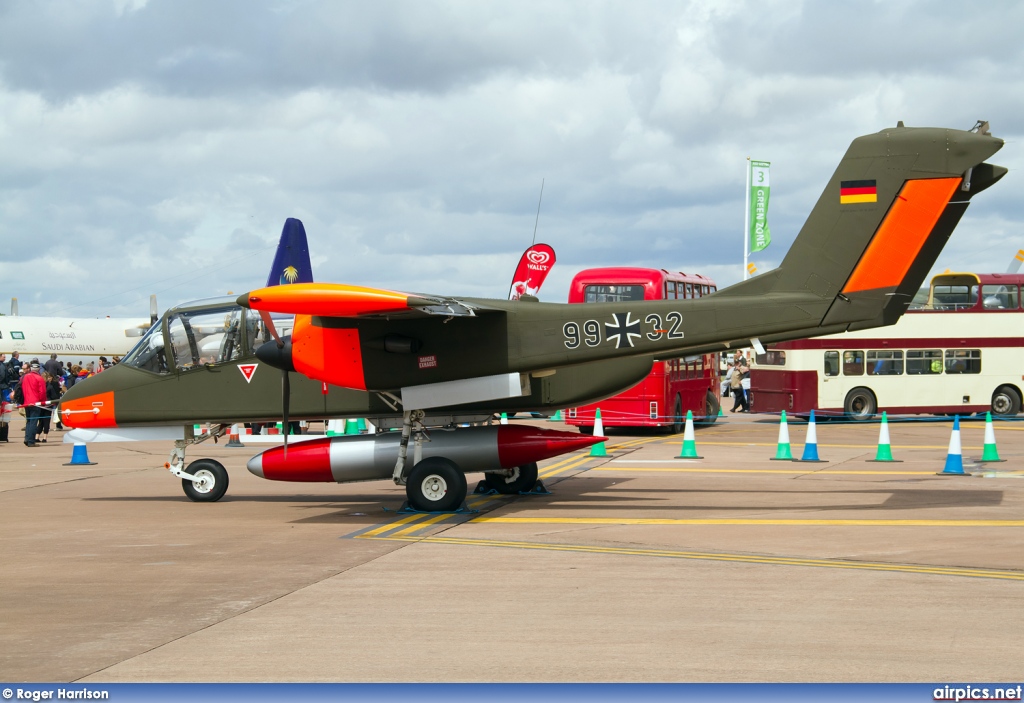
(214, 482)
(436, 485)
(512, 481)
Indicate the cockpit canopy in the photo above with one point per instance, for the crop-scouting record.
(201, 334)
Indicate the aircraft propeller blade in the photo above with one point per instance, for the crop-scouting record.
(269, 322)
(286, 398)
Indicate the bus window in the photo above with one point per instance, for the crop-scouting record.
(999, 297)
(963, 361)
(885, 363)
(670, 290)
(613, 294)
(959, 297)
(772, 357)
(853, 363)
(831, 363)
(924, 361)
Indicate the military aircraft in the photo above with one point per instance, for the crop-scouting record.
(417, 361)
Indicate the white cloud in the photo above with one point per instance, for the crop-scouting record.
(167, 142)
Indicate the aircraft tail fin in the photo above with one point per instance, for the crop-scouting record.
(291, 262)
(881, 223)
(1017, 260)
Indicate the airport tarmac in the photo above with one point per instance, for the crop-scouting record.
(637, 567)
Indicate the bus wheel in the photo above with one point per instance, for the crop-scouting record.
(860, 404)
(1005, 401)
(677, 417)
(711, 407)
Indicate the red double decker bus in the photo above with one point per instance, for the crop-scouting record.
(673, 386)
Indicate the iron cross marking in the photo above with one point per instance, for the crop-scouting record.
(622, 330)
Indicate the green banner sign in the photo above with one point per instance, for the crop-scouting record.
(760, 235)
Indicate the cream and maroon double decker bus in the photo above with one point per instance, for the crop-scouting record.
(958, 349)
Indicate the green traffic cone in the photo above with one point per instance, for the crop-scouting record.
(598, 449)
(884, 453)
(361, 425)
(557, 417)
(990, 453)
(351, 426)
(689, 450)
(783, 452)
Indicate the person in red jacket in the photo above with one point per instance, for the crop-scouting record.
(34, 389)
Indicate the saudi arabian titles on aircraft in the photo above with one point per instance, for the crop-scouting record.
(417, 361)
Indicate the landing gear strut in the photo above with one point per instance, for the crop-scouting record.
(204, 480)
(512, 481)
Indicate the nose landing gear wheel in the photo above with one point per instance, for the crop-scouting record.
(520, 478)
(214, 482)
(436, 485)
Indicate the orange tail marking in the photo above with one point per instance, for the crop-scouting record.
(902, 233)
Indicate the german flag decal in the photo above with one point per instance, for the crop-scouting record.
(857, 192)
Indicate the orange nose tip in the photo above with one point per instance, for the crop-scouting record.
(89, 412)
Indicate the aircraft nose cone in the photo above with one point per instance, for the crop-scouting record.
(278, 357)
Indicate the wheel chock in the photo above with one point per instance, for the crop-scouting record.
(407, 509)
(482, 489)
(539, 489)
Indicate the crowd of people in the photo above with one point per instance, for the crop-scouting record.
(35, 388)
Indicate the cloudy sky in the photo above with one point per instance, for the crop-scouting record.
(157, 147)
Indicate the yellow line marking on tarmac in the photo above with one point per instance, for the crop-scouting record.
(760, 471)
(745, 521)
(633, 443)
(407, 531)
(725, 556)
(393, 524)
(549, 471)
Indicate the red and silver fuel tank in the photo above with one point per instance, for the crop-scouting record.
(373, 457)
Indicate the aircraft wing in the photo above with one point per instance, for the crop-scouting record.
(340, 300)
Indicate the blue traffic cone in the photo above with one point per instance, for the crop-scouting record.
(811, 443)
(80, 456)
(954, 457)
